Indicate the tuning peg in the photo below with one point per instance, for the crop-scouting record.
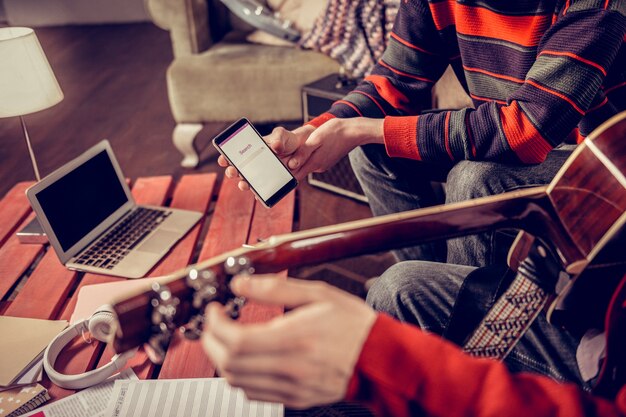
(205, 286)
(193, 329)
(234, 306)
(164, 307)
(235, 265)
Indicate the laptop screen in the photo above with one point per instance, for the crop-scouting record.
(79, 201)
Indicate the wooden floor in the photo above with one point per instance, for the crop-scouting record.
(113, 79)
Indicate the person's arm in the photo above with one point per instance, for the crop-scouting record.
(573, 58)
(332, 346)
(303, 358)
(401, 370)
(400, 83)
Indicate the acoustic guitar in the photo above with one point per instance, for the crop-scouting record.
(574, 218)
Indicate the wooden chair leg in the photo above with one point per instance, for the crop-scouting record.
(183, 136)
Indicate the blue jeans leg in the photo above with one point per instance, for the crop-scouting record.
(397, 184)
(424, 294)
(473, 179)
(393, 185)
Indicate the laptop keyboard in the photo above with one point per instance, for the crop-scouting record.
(110, 249)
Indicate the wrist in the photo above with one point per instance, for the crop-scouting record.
(371, 131)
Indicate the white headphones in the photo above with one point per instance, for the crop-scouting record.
(99, 325)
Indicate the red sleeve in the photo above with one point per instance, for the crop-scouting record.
(403, 371)
(320, 120)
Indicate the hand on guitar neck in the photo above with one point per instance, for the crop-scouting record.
(298, 359)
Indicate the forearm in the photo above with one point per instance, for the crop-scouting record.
(402, 370)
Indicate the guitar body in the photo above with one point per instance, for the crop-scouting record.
(590, 199)
(589, 192)
(582, 304)
(589, 196)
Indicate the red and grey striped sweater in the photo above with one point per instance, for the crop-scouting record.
(540, 72)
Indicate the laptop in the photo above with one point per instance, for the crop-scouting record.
(93, 223)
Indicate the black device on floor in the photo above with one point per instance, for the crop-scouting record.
(317, 98)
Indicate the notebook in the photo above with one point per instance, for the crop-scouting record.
(20, 400)
(21, 350)
(93, 223)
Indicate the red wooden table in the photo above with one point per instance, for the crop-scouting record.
(34, 284)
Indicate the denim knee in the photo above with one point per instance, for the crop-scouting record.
(473, 179)
(368, 159)
(419, 293)
(358, 160)
(388, 289)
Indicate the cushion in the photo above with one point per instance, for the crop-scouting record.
(234, 79)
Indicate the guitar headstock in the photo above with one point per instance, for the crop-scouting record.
(177, 303)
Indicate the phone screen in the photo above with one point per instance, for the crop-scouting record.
(246, 150)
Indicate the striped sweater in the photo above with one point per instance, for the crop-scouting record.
(540, 72)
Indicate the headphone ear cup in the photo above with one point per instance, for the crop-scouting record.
(101, 322)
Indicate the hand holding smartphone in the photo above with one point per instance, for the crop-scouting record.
(244, 148)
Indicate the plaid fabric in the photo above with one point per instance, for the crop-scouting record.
(355, 33)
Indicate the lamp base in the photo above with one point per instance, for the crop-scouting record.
(32, 233)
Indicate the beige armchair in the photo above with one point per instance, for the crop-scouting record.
(217, 75)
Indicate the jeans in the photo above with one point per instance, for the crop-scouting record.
(424, 294)
(397, 184)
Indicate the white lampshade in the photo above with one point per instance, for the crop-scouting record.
(27, 83)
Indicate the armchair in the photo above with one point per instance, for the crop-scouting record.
(216, 75)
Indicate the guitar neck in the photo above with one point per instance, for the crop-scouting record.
(528, 209)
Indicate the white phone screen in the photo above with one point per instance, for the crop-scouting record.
(256, 162)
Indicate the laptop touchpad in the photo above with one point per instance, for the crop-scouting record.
(159, 242)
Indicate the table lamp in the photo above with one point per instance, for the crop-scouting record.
(27, 85)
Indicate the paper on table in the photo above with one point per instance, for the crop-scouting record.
(23, 343)
(91, 297)
(198, 397)
(90, 402)
(28, 376)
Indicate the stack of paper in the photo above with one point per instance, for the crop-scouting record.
(91, 297)
(202, 397)
(22, 347)
(90, 402)
(125, 395)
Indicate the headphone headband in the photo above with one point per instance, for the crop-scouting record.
(99, 325)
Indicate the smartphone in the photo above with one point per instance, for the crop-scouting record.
(244, 148)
